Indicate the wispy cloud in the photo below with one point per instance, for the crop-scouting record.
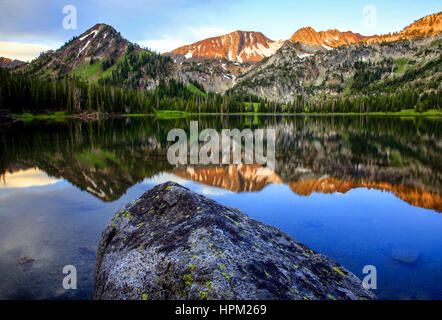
(163, 45)
(26, 178)
(22, 51)
(211, 191)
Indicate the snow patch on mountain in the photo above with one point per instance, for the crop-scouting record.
(260, 50)
(84, 48)
(95, 32)
(188, 55)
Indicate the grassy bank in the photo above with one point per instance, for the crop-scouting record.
(173, 114)
(59, 115)
(410, 112)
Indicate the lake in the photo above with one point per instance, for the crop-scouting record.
(363, 190)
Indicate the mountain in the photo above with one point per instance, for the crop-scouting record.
(362, 68)
(99, 43)
(9, 63)
(237, 178)
(427, 26)
(101, 53)
(327, 39)
(334, 63)
(241, 46)
(253, 178)
(310, 64)
(415, 196)
(249, 46)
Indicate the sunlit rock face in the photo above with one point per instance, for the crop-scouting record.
(240, 46)
(250, 46)
(326, 39)
(253, 178)
(237, 178)
(414, 196)
(425, 27)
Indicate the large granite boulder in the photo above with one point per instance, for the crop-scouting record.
(173, 243)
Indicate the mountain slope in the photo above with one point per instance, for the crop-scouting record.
(241, 46)
(99, 43)
(353, 69)
(101, 53)
(7, 63)
(424, 27)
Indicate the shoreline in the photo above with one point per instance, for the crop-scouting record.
(170, 114)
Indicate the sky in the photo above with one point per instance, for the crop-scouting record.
(28, 27)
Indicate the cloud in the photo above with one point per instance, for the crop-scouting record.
(26, 178)
(22, 51)
(210, 191)
(163, 45)
(165, 177)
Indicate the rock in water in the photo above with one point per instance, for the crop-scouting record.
(404, 255)
(173, 243)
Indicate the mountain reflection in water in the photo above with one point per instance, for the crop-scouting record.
(337, 187)
(314, 154)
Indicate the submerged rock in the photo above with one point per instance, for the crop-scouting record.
(405, 255)
(26, 263)
(173, 243)
(25, 260)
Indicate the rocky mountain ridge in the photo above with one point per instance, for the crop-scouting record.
(312, 63)
(96, 44)
(309, 64)
(327, 39)
(7, 63)
(295, 71)
(246, 46)
(102, 54)
(241, 46)
(425, 27)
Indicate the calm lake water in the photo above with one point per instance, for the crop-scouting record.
(362, 190)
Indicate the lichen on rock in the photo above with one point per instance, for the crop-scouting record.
(173, 243)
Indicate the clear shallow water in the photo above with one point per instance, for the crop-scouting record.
(63, 182)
